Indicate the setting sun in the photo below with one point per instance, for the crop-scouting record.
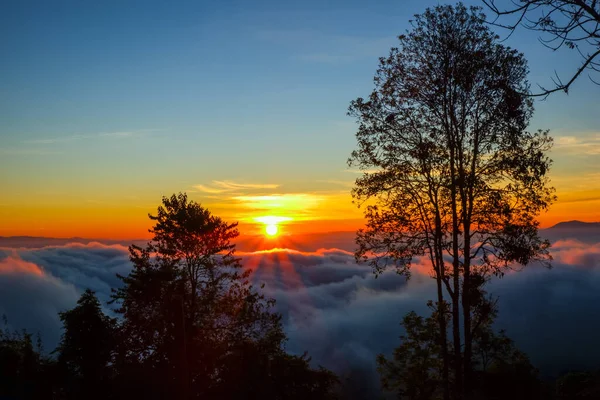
(271, 223)
(271, 230)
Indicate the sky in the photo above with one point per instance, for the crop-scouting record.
(107, 106)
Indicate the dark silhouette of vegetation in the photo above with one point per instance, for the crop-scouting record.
(451, 171)
(416, 371)
(25, 373)
(190, 326)
(578, 385)
(85, 351)
(191, 317)
(499, 369)
(574, 24)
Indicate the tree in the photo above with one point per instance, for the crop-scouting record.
(451, 173)
(416, 370)
(25, 373)
(86, 348)
(574, 24)
(500, 370)
(260, 374)
(578, 385)
(191, 319)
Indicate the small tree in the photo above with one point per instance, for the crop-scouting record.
(85, 350)
(578, 385)
(452, 174)
(416, 370)
(574, 24)
(25, 372)
(500, 370)
(190, 315)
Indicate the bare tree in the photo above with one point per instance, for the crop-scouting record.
(574, 24)
(458, 179)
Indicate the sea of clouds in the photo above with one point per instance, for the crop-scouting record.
(333, 308)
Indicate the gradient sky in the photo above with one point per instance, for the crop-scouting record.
(107, 106)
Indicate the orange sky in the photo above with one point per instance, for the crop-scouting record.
(119, 211)
(309, 213)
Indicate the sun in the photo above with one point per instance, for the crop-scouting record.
(271, 224)
(271, 230)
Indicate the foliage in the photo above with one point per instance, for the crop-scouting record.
(501, 371)
(574, 24)
(451, 172)
(268, 374)
(191, 317)
(86, 348)
(415, 372)
(190, 326)
(578, 385)
(446, 116)
(24, 372)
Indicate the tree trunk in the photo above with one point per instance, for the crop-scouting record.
(467, 204)
(449, 102)
(443, 340)
(466, 300)
(440, 271)
(182, 370)
(466, 303)
(458, 377)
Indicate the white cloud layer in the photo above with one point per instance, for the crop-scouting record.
(332, 307)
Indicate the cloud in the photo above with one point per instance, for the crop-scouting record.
(208, 189)
(332, 307)
(342, 315)
(298, 206)
(71, 138)
(65, 271)
(271, 220)
(12, 264)
(31, 299)
(361, 171)
(588, 145)
(572, 198)
(229, 186)
(236, 186)
(246, 201)
(345, 184)
(286, 201)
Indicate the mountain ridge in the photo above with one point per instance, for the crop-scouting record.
(576, 224)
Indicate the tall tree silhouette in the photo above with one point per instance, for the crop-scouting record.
(451, 172)
(86, 348)
(191, 317)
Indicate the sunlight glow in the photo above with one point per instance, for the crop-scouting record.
(271, 230)
(271, 220)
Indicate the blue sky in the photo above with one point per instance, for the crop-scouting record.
(112, 99)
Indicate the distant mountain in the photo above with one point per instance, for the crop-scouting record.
(38, 241)
(587, 232)
(576, 225)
